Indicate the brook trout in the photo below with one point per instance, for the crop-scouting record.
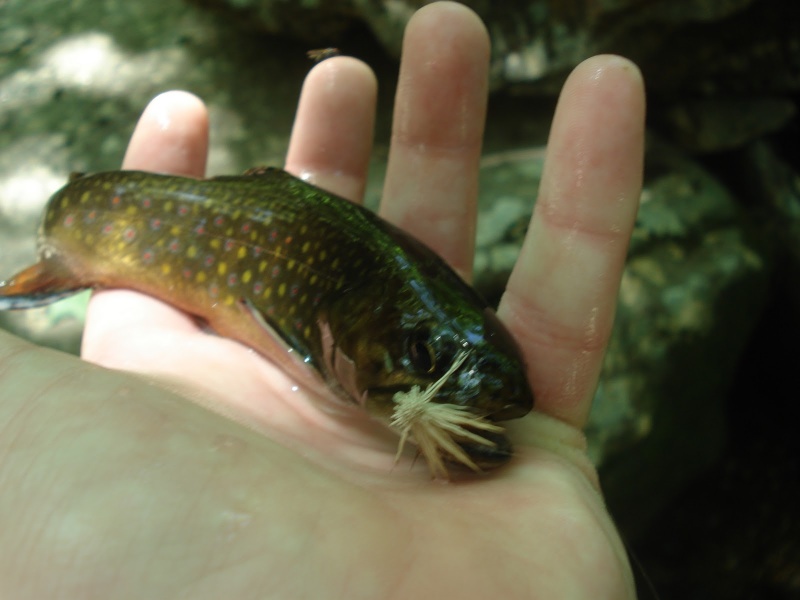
(318, 284)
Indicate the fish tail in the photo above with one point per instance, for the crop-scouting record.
(38, 285)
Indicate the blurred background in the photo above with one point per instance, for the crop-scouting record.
(694, 424)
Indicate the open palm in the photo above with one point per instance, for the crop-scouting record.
(143, 494)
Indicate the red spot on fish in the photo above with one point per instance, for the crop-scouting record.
(174, 246)
(273, 235)
(116, 201)
(232, 279)
(288, 239)
(183, 210)
(258, 287)
(69, 220)
(246, 227)
(147, 203)
(298, 324)
(209, 260)
(271, 311)
(276, 270)
(129, 234)
(187, 273)
(213, 290)
(91, 216)
(257, 250)
(200, 229)
(155, 224)
(219, 221)
(317, 298)
(229, 244)
(148, 256)
(293, 291)
(107, 228)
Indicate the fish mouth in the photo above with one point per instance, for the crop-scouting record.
(444, 432)
(488, 456)
(386, 395)
(513, 409)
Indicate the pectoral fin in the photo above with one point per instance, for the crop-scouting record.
(270, 343)
(339, 367)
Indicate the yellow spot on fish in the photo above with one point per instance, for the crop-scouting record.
(132, 210)
(229, 300)
(229, 231)
(290, 264)
(222, 268)
(85, 197)
(323, 254)
(200, 277)
(313, 279)
(292, 309)
(168, 206)
(303, 231)
(335, 263)
(175, 230)
(64, 202)
(303, 298)
(89, 238)
(247, 276)
(306, 246)
(267, 293)
(262, 266)
(307, 331)
(253, 235)
(215, 243)
(242, 252)
(166, 269)
(191, 252)
(282, 290)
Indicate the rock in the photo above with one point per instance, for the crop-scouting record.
(688, 44)
(773, 183)
(724, 71)
(716, 124)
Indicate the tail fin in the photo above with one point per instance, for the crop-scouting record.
(38, 285)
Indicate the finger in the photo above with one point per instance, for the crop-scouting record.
(170, 137)
(332, 135)
(431, 184)
(561, 295)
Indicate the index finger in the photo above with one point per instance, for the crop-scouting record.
(561, 296)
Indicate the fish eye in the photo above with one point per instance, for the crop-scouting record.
(421, 353)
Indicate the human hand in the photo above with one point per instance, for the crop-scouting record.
(116, 487)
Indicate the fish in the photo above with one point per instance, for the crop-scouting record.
(347, 303)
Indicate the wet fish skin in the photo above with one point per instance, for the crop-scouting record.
(321, 285)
